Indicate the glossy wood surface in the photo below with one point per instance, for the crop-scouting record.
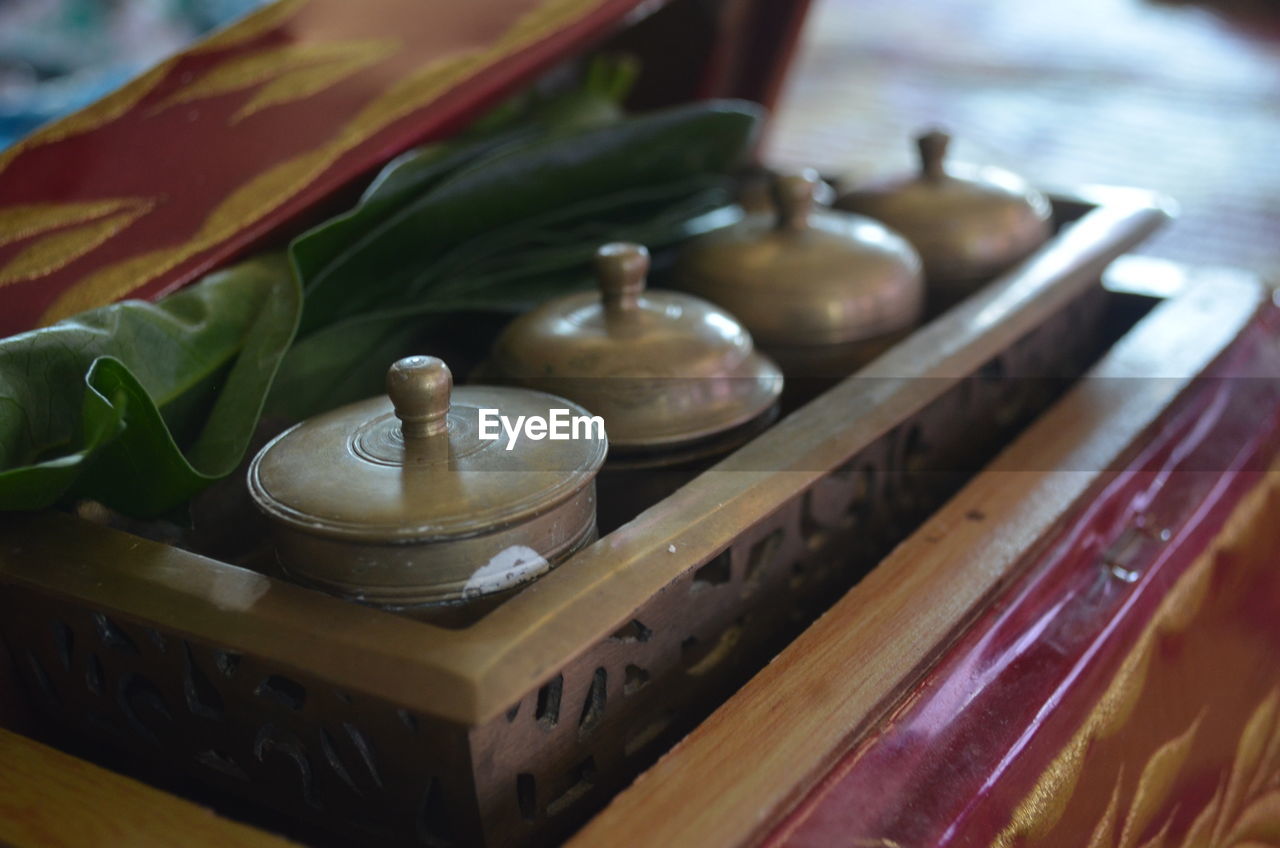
(49, 799)
(1126, 688)
(845, 680)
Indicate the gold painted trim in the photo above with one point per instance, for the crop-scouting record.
(51, 252)
(251, 26)
(116, 104)
(267, 191)
(1044, 806)
(25, 220)
(291, 72)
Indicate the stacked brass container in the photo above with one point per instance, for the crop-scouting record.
(677, 380)
(403, 502)
(968, 223)
(822, 291)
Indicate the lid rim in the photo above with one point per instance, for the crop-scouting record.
(755, 365)
(341, 517)
(401, 534)
(570, 339)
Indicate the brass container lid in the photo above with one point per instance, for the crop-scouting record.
(968, 223)
(807, 275)
(404, 498)
(662, 368)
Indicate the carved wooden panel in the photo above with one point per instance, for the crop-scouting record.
(272, 734)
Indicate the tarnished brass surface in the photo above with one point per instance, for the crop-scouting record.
(662, 368)
(807, 276)
(968, 223)
(399, 500)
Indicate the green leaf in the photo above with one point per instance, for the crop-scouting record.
(518, 120)
(495, 227)
(346, 361)
(518, 183)
(141, 405)
(596, 103)
(407, 175)
(340, 364)
(89, 406)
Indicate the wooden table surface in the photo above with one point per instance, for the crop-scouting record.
(50, 799)
(1176, 97)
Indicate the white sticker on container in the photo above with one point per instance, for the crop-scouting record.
(513, 565)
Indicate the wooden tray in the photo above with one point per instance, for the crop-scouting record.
(518, 726)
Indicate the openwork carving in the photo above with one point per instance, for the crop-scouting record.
(337, 758)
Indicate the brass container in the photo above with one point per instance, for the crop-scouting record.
(820, 290)
(969, 223)
(677, 380)
(402, 501)
(665, 370)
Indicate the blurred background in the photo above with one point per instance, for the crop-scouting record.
(59, 55)
(1179, 97)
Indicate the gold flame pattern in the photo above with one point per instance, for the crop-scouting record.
(264, 192)
(253, 25)
(60, 233)
(292, 72)
(1245, 809)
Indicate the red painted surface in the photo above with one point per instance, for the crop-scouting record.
(956, 758)
(186, 158)
(208, 176)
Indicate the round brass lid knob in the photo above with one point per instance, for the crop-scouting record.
(419, 388)
(933, 154)
(622, 268)
(968, 223)
(794, 196)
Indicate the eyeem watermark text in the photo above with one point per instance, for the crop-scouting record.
(561, 425)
